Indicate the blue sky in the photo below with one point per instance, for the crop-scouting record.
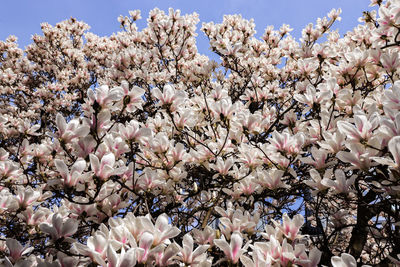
(22, 18)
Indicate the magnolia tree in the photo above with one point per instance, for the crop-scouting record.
(134, 149)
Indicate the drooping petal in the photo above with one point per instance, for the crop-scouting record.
(69, 227)
(236, 245)
(94, 163)
(62, 168)
(112, 257)
(128, 259)
(61, 124)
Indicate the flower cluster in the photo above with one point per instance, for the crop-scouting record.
(134, 149)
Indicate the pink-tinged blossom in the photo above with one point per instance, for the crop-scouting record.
(166, 257)
(306, 66)
(186, 118)
(132, 98)
(271, 179)
(318, 160)
(101, 122)
(357, 57)
(232, 250)
(359, 156)
(9, 169)
(330, 85)
(390, 61)
(105, 168)
(84, 146)
(290, 227)
(59, 227)
(218, 93)
(248, 186)
(250, 158)
(16, 250)
(162, 230)
(34, 217)
(316, 181)
(28, 129)
(250, 123)
(104, 96)
(66, 261)
(362, 130)
(236, 192)
(96, 248)
(205, 236)
(394, 148)
(239, 222)
(113, 203)
(149, 180)
(259, 258)
(223, 109)
(70, 130)
(284, 142)
(392, 97)
(4, 154)
(187, 255)
(390, 127)
(222, 166)
(137, 225)
(339, 218)
(70, 178)
(145, 244)
(341, 184)
(8, 202)
(160, 143)
(312, 96)
(178, 152)
(169, 98)
(333, 142)
(125, 259)
(287, 254)
(133, 131)
(313, 259)
(27, 196)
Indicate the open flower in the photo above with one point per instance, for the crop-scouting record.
(70, 130)
(60, 228)
(271, 179)
(16, 250)
(70, 178)
(362, 130)
(341, 185)
(232, 250)
(162, 230)
(26, 196)
(187, 255)
(169, 97)
(290, 227)
(316, 181)
(394, 148)
(105, 168)
(104, 96)
(125, 259)
(132, 97)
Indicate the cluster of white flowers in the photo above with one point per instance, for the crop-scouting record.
(134, 149)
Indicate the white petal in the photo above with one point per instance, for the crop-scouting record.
(61, 123)
(62, 168)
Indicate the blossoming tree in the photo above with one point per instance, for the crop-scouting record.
(134, 149)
